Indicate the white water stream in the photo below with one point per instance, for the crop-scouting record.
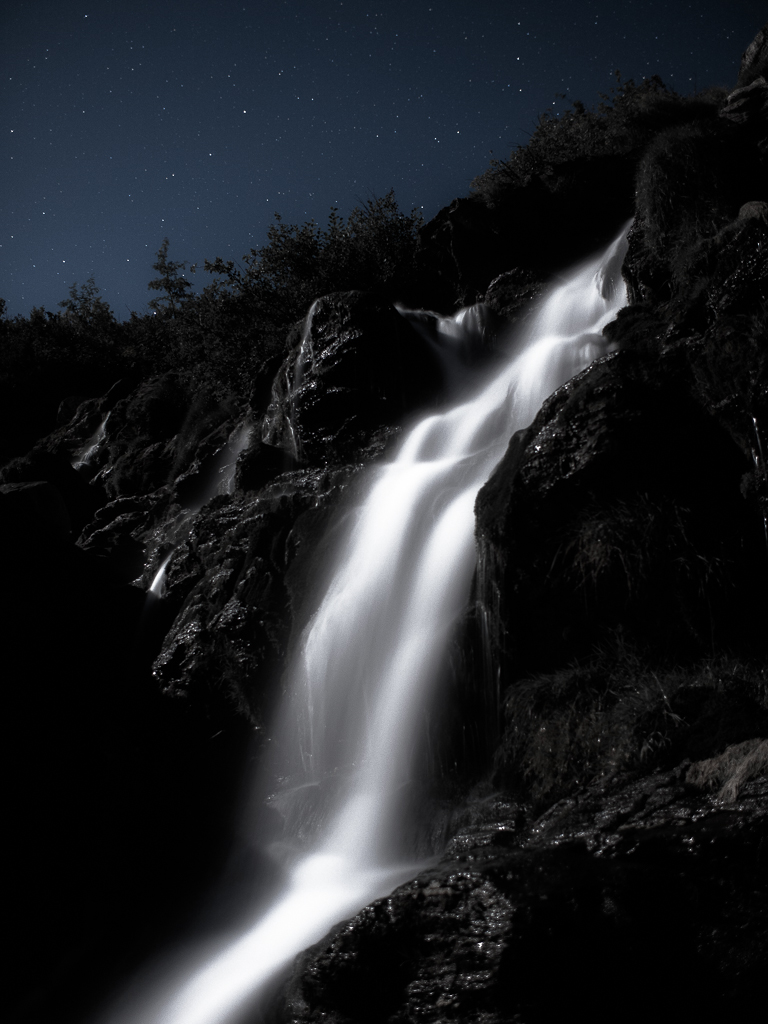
(222, 481)
(91, 446)
(371, 657)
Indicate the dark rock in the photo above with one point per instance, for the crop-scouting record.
(260, 464)
(619, 713)
(228, 580)
(68, 407)
(357, 367)
(142, 445)
(603, 894)
(748, 108)
(618, 508)
(748, 105)
(469, 244)
(511, 293)
(159, 433)
(80, 498)
(33, 512)
(754, 61)
(691, 186)
(754, 209)
(122, 530)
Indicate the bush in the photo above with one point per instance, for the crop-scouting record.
(618, 713)
(232, 336)
(623, 123)
(237, 329)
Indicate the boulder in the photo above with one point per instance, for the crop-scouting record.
(235, 586)
(510, 294)
(357, 367)
(616, 510)
(754, 61)
(596, 903)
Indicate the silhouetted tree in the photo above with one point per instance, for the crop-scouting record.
(85, 310)
(171, 281)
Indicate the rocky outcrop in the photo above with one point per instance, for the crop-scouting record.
(357, 366)
(469, 243)
(754, 61)
(231, 581)
(618, 510)
(597, 903)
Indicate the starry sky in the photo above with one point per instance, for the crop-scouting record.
(126, 121)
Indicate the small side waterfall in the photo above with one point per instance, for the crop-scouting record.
(91, 446)
(370, 661)
(221, 480)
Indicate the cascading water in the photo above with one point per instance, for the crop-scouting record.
(221, 481)
(370, 660)
(91, 446)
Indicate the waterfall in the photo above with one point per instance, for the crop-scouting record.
(371, 656)
(221, 480)
(91, 446)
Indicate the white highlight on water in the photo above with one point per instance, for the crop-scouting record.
(237, 443)
(91, 446)
(222, 483)
(370, 659)
(157, 586)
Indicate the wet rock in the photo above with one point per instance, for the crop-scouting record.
(754, 61)
(358, 366)
(68, 407)
(511, 293)
(122, 530)
(230, 582)
(260, 464)
(612, 511)
(597, 902)
(155, 435)
(469, 339)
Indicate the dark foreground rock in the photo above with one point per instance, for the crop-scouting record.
(632, 899)
(357, 366)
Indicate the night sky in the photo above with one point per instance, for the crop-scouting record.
(126, 121)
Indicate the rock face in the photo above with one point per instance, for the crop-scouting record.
(357, 367)
(754, 62)
(606, 755)
(597, 903)
(616, 512)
